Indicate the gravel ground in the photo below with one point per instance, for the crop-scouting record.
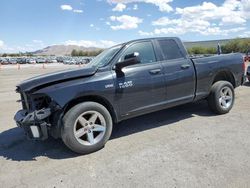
(186, 146)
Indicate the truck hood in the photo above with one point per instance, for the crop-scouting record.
(55, 77)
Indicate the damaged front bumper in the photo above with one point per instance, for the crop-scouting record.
(34, 123)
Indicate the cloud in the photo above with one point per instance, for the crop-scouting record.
(222, 32)
(1, 43)
(143, 33)
(6, 49)
(182, 26)
(119, 7)
(37, 41)
(126, 22)
(94, 27)
(66, 7)
(230, 12)
(162, 4)
(69, 8)
(163, 21)
(180, 31)
(245, 34)
(28, 47)
(78, 11)
(87, 43)
(108, 43)
(246, 7)
(205, 19)
(183, 23)
(169, 30)
(135, 7)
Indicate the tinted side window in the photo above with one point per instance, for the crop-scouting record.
(145, 50)
(170, 49)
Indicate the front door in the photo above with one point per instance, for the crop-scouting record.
(141, 87)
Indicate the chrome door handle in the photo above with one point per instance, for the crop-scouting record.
(185, 66)
(155, 71)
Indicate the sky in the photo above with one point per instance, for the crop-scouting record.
(28, 25)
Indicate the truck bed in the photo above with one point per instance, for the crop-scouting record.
(213, 65)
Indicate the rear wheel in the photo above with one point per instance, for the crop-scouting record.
(221, 98)
(86, 127)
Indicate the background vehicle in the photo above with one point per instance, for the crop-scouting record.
(125, 81)
(52, 61)
(4, 61)
(247, 57)
(12, 61)
(1, 60)
(60, 59)
(248, 73)
(30, 61)
(21, 60)
(41, 60)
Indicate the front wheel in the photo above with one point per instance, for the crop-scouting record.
(221, 98)
(86, 127)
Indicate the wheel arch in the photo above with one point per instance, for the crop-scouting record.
(93, 98)
(224, 75)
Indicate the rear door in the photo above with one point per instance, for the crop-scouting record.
(179, 72)
(142, 86)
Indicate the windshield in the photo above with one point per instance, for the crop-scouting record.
(104, 58)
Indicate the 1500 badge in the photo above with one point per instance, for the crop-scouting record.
(125, 84)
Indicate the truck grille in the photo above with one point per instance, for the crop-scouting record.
(40, 101)
(33, 102)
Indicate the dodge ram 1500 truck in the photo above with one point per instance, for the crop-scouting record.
(127, 80)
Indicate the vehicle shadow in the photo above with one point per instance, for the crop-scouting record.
(161, 118)
(247, 84)
(14, 146)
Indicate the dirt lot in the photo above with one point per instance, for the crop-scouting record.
(186, 146)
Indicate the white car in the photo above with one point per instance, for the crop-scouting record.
(31, 61)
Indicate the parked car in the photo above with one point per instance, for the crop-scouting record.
(52, 61)
(87, 60)
(72, 62)
(30, 61)
(66, 61)
(125, 81)
(60, 59)
(4, 61)
(40, 60)
(248, 73)
(12, 61)
(21, 60)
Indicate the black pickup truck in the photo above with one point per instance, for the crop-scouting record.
(127, 80)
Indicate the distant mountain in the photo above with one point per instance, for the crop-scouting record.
(61, 50)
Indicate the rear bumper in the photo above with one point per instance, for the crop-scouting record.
(34, 123)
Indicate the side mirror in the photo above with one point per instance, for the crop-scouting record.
(130, 59)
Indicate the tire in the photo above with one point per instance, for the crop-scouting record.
(221, 97)
(86, 127)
